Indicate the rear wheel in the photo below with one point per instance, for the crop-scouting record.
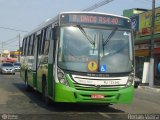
(28, 88)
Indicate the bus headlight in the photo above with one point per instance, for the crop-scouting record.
(61, 77)
(130, 80)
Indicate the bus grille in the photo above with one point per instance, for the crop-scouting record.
(95, 88)
(91, 87)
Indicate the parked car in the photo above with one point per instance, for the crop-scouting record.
(17, 66)
(7, 68)
(9, 60)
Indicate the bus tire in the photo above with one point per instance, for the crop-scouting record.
(135, 85)
(45, 98)
(28, 88)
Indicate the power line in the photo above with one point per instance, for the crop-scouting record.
(16, 45)
(18, 30)
(97, 5)
(9, 43)
(150, 1)
(11, 46)
(9, 40)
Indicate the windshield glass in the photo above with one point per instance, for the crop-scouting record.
(16, 64)
(7, 65)
(95, 50)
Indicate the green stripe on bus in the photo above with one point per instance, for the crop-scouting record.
(50, 80)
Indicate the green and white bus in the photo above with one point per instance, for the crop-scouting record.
(80, 57)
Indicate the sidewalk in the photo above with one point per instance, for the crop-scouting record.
(154, 88)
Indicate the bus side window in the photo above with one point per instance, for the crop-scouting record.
(26, 46)
(32, 50)
(46, 47)
(30, 45)
(54, 39)
(39, 42)
(28, 50)
(42, 42)
(23, 46)
(46, 42)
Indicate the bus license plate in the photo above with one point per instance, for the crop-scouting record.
(97, 96)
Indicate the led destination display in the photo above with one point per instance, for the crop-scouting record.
(94, 19)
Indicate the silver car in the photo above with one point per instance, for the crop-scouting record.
(17, 66)
(7, 68)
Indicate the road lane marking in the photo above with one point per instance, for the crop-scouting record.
(104, 115)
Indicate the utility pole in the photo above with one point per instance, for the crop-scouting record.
(19, 38)
(151, 48)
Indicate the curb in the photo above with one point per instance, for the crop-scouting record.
(149, 88)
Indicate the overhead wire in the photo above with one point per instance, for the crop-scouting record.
(97, 5)
(14, 45)
(9, 40)
(149, 1)
(9, 43)
(13, 29)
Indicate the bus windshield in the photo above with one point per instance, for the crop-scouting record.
(106, 50)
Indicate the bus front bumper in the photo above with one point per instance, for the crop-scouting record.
(68, 94)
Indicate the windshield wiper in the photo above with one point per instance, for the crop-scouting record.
(88, 37)
(110, 36)
(85, 34)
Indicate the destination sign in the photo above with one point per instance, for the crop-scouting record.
(94, 19)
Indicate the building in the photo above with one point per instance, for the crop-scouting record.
(135, 11)
(10, 56)
(5, 53)
(15, 54)
(141, 23)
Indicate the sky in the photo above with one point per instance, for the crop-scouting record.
(26, 15)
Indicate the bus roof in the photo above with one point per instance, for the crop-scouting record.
(55, 20)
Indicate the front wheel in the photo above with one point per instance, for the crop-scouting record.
(44, 93)
(136, 85)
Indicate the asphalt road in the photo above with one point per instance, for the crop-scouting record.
(17, 103)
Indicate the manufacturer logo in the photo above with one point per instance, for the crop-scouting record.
(92, 66)
(97, 87)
